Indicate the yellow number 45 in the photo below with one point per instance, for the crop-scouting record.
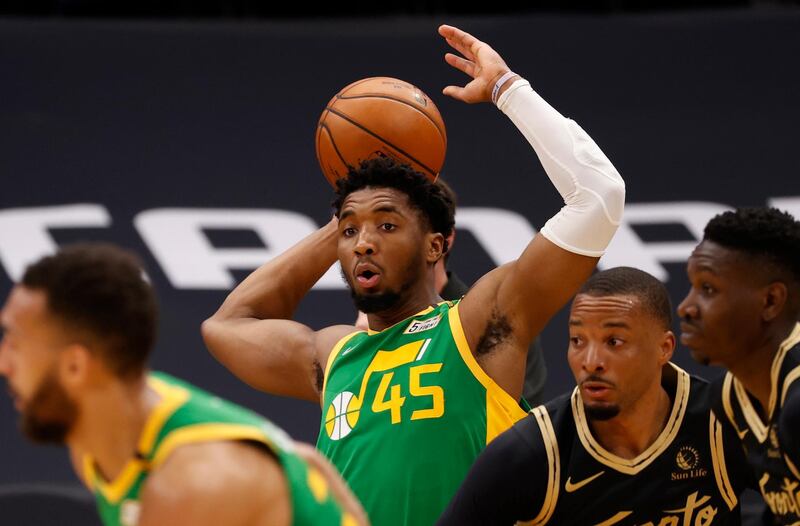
(394, 401)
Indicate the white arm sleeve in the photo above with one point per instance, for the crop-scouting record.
(593, 191)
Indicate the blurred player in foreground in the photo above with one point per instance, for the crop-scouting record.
(742, 312)
(408, 406)
(154, 450)
(636, 442)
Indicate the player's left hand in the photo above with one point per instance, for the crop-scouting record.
(479, 61)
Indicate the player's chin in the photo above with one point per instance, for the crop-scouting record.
(601, 410)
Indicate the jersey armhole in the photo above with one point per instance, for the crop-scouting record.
(550, 442)
(331, 358)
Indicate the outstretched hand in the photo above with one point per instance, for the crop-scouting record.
(478, 60)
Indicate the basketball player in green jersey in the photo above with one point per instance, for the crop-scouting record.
(407, 406)
(153, 449)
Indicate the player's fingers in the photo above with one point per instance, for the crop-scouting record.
(454, 91)
(459, 46)
(461, 64)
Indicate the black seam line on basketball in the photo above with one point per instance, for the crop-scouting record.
(333, 143)
(354, 123)
(401, 101)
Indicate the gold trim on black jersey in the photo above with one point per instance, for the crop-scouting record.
(754, 421)
(665, 438)
(793, 375)
(553, 467)
(718, 461)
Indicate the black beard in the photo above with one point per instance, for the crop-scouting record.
(602, 413)
(50, 413)
(375, 302)
(382, 301)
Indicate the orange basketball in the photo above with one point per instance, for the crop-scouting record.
(380, 116)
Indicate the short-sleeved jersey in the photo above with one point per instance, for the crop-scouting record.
(550, 469)
(188, 415)
(772, 446)
(405, 412)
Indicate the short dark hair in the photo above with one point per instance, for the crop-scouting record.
(766, 234)
(435, 207)
(101, 289)
(629, 281)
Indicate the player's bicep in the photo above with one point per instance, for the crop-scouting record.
(539, 283)
(507, 483)
(276, 356)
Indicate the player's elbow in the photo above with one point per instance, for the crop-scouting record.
(210, 330)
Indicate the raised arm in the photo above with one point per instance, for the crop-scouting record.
(526, 293)
(251, 333)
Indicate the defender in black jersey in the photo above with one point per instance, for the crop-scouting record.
(635, 443)
(742, 313)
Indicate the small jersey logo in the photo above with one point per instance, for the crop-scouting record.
(342, 415)
(129, 513)
(688, 460)
(417, 326)
(570, 486)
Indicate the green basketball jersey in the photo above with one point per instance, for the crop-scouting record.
(405, 412)
(188, 415)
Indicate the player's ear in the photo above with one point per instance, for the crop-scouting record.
(435, 247)
(74, 364)
(774, 300)
(667, 347)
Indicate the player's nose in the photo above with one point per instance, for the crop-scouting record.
(365, 243)
(687, 309)
(593, 358)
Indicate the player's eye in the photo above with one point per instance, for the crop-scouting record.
(388, 227)
(574, 341)
(615, 342)
(707, 289)
(349, 231)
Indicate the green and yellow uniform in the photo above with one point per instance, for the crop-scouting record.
(405, 413)
(188, 415)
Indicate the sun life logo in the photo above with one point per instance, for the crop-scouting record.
(687, 458)
(342, 415)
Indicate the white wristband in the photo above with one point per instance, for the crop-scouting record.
(499, 84)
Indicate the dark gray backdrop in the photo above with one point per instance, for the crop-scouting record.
(140, 115)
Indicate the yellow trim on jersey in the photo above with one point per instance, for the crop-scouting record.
(553, 467)
(662, 442)
(171, 398)
(759, 428)
(718, 461)
(501, 409)
(209, 432)
(426, 310)
(727, 385)
(792, 467)
(793, 375)
(331, 358)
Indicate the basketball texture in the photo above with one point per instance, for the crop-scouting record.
(380, 116)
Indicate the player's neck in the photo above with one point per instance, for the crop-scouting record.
(630, 433)
(753, 366)
(110, 424)
(417, 299)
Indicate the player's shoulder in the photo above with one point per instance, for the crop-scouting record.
(212, 470)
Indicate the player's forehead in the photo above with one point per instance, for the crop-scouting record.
(613, 310)
(23, 308)
(375, 199)
(716, 259)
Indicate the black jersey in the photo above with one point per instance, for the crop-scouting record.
(549, 469)
(772, 447)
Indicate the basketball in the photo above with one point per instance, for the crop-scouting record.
(380, 116)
